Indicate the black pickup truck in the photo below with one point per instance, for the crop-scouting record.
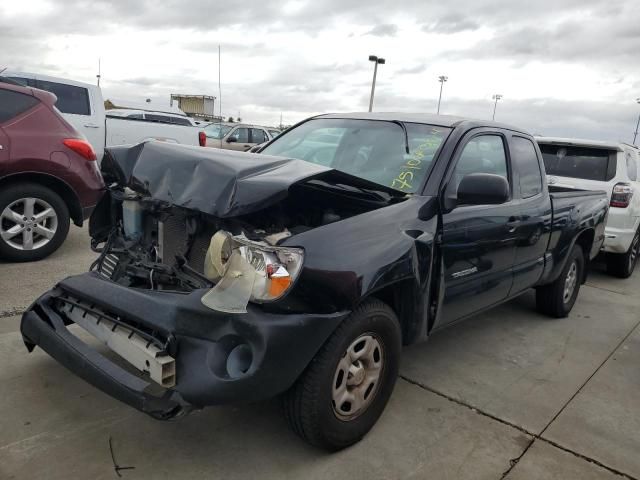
(227, 277)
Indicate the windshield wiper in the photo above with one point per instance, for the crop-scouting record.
(406, 135)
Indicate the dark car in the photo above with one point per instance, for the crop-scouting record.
(48, 174)
(229, 277)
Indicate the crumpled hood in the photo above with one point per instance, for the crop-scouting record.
(222, 183)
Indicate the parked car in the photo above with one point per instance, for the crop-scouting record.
(48, 174)
(609, 166)
(233, 136)
(265, 275)
(81, 104)
(152, 116)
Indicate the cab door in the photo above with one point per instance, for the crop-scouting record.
(535, 213)
(478, 241)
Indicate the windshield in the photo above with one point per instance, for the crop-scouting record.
(217, 130)
(369, 149)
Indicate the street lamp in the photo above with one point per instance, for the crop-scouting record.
(441, 79)
(496, 97)
(377, 61)
(637, 124)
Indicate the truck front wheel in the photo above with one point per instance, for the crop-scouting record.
(345, 388)
(557, 298)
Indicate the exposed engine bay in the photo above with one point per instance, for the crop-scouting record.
(157, 246)
(179, 219)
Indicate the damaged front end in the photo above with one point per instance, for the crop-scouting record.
(197, 255)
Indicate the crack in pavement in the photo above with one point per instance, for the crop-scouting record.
(538, 436)
(11, 312)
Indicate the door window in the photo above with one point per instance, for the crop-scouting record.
(525, 161)
(13, 104)
(71, 99)
(258, 135)
(241, 135)
(482, 154)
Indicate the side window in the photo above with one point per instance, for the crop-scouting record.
(482, 154)
(525, 162)
(632, 167)
(156, 118)
(258, 135)
(27, 82)
(13, 104)
(135, 116)
(241, 135)
(71, 99)
(180, 121)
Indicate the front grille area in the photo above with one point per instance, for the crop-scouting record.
(68, 303)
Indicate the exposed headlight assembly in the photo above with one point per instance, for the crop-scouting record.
(248, 271)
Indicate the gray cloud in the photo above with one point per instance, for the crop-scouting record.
(383, 30)
(451, 23)
(598, 32)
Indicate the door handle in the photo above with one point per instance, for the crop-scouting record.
(1, 147)
(91, 125)
(512, 224)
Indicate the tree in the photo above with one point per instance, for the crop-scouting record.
(230, 120)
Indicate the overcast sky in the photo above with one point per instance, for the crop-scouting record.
(565, 67)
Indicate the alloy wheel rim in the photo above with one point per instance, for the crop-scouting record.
(570, 282)
(357, 377)
(28, 223)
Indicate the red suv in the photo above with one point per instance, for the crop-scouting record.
(48, 174)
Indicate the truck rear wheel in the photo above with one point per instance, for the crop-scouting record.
(557, 298)
(345, 388)
(34, 221)
(622, 264)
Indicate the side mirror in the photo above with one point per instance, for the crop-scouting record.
(232, 140)
(483, 189)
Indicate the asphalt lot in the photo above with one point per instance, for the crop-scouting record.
(508, 394)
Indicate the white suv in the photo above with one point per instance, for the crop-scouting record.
(614, 168)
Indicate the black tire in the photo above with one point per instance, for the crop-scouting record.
(623, 264)
(309, 407)
(13, 193)
(551, 299)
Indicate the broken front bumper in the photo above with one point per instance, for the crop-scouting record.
(219, 358)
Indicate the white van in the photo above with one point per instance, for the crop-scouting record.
(614, 168)
(80, 103)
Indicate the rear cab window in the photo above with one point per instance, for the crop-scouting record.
(586, 163)
(71, 99)
(13, 104)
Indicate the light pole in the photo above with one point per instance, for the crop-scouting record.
(377, 61)
(496, 97)
(637, 124)
(441, 79)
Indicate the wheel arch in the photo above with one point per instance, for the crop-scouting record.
(59, 186)
(585, 239)
(404, 298)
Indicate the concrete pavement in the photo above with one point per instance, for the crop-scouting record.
(508, 394)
